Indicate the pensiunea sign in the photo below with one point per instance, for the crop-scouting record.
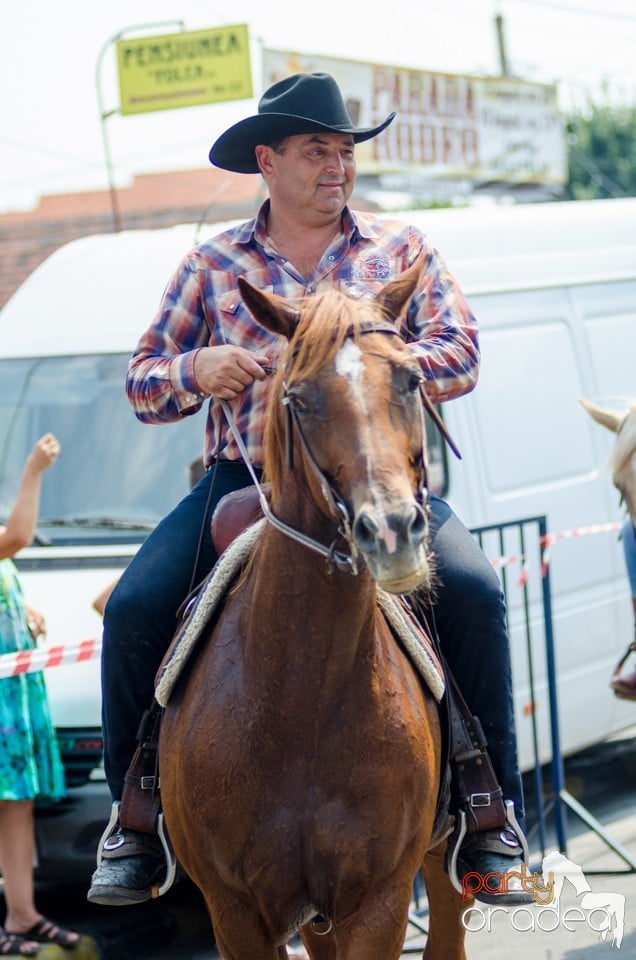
(174, 70)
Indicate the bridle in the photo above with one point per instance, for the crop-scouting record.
(347, 561)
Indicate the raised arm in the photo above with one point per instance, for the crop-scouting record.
(20, 527)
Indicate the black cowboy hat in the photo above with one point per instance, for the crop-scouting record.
(301, 103)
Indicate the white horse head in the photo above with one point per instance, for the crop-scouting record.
(624, 454)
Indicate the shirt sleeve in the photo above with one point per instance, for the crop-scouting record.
(442, 329)
(160, 383)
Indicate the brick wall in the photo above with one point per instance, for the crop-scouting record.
(151, 201)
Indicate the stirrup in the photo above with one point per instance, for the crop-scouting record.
(459, 834)
(109, 829)
(162, 833)
(171, 860)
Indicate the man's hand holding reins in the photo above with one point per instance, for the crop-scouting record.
(227, 370)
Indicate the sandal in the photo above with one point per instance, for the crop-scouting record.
(46, 931)
(14, 944)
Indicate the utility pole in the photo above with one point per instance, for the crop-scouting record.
(501, 45)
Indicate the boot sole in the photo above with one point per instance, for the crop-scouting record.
(117, 896)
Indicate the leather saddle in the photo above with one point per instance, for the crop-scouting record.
(234, 513)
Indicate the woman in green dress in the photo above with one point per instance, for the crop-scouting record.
(30, 764)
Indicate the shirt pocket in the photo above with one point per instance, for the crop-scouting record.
(233, 322)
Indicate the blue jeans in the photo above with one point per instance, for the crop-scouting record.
(628, 536)
(140, 620)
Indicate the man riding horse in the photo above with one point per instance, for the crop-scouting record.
(203, 346)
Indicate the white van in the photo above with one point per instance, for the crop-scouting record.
(67, 334)
(554, 288)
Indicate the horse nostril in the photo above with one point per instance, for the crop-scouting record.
(365, 532)
(370, 531)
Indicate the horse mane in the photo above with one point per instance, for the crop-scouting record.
(326, 321)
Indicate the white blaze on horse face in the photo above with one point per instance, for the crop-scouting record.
(349, 364)
(349, 361)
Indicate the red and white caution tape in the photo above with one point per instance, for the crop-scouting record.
(551, 538)
(41, 658)
(546, 542)
(499, 562)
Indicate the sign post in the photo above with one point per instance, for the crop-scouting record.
(105, 114)
(174, 70)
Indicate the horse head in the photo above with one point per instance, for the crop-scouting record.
(624, 453)
(347, 406)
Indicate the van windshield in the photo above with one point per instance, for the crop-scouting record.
(116, 477)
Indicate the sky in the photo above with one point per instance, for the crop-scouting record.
(56, 57)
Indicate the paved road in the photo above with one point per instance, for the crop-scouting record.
(603, 780)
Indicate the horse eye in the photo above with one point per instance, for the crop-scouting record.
(414, 381)
(300, 399)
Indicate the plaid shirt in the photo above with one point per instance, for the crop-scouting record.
(201, 307)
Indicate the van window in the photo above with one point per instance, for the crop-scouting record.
(116, 477)
(437, 458)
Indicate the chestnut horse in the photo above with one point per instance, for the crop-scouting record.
(300, 758)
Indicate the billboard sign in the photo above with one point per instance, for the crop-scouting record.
(174, 70)
(448, 126)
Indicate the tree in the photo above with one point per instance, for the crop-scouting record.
(602, 152)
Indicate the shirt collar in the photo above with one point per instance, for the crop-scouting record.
(354, 225)
(251, 230)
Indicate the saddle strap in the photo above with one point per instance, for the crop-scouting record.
(474, 786)
(140, 801)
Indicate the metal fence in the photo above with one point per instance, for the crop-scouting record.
(519, 546)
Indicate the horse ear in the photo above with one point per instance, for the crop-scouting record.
(607, 418)
(396, 294)
(273, 312)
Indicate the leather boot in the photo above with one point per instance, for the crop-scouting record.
(131, 869)
(491, 867)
